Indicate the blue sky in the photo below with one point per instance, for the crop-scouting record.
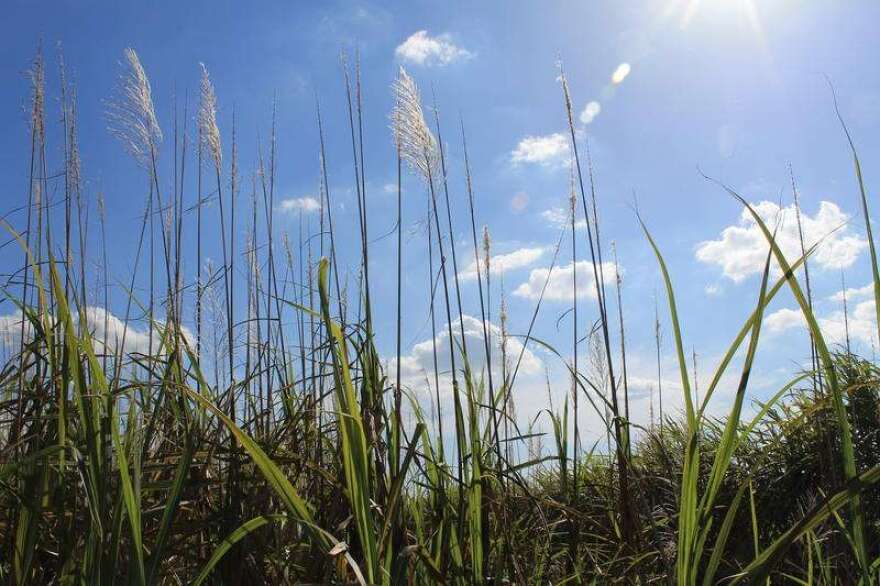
(733, 88)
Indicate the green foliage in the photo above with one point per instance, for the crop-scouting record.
(301, 461)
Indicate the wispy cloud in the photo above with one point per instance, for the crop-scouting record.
(548, 151)
(558, 217)
(306, 204)
(420, 48)
(741, 250)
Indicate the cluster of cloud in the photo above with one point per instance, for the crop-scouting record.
(420, 361)
(307, 204)
(501, 263)
(561, 286)
(420, 48)
(107, 332)
(551, 150)
(852, 293)
(859, 321)
(741, 250)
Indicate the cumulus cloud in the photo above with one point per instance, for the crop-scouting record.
(560, 287)
(306, 204)
(783, 319)
(420, 48)
(854, 293)
(501, 263)
(105, 328)
(549, 151)
(859, 319)
(741, 249)
(420, 360)
(591, 110)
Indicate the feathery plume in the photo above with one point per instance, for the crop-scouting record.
(417, 145)
(132, 118)
(208, 129)
(38, 84)
(487, 249)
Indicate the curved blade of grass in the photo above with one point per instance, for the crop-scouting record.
(723, 535)
(230, 540)
(180, 476)
(397, 488)
(746, 328)
(301, 510)
(355, 453)
(130, 499)
(725, 450)
(849, 461)
(760, 568)
(686, 566)
(875, 271)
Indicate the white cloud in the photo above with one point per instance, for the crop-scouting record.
(106, 330)
(306, 204)
(783, 320)
(560, 287)
(420, 360)
(742, 249)
(422, 49)
(859, 320)
(591, 110)
(854, 293)
(550, 150)
(11, 329)
(620, 73)
(501, 263)
(558, 217)
(519, 202)
(713, 290)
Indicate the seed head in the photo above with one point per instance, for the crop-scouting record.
(208, 130)
(412, 136)
(131, 115)
(38, 84)
(487, 248)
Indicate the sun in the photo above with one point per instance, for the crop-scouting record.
(685, 10)
(722, 13)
